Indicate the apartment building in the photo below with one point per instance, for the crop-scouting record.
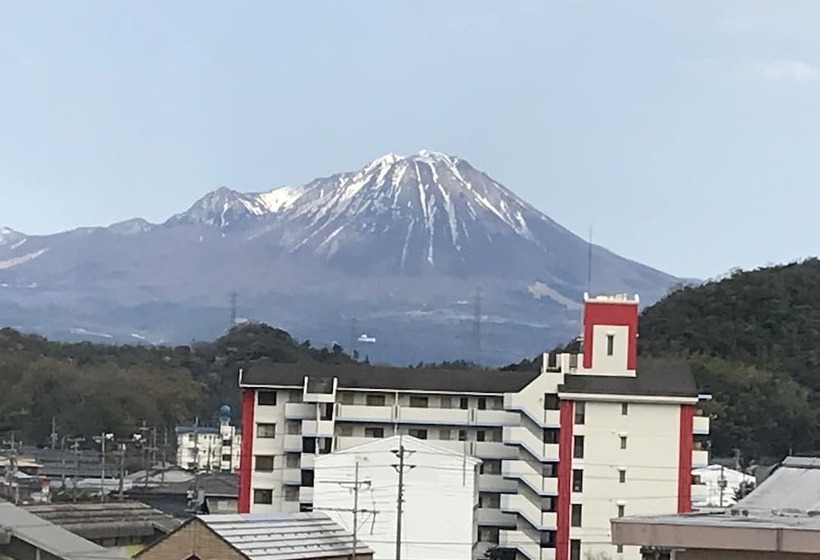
(590, 437)
(207, 448)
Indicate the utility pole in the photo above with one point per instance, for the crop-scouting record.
(401, 453)
(722, 484)
(357, 484)
(54, 436)
(122, 472)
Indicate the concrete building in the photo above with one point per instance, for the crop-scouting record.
(779, 520)
(715, 486)
(590, 436)
(440, 497)
(210, 448)
(270, 536)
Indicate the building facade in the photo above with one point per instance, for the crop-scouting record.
(589, 437)
(206, 448)
(366, 478)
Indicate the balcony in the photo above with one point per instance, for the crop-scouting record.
(494, 518)
(496, 483)
(305, 495)
(518, 435)
(434, 416)
(300, 411)
(361, 413)
(292, 477)
(700, 458)
(293, 443)
(494, 418)
(519, 541)
(317, 428)
(307, 460)
(523, 471)
(490, 450)
(533, 409)
(529, 511)
(700, 425)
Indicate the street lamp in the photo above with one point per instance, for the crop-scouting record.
(101, 439)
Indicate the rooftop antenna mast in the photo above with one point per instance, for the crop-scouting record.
(589, 262)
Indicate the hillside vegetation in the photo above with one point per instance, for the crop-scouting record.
(754, 343)
(87, 388)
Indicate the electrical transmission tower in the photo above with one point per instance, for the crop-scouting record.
(402, 454)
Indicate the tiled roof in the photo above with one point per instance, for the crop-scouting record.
(109, 520)
(655, 377)
(284, 536)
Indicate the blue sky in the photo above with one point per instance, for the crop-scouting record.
(685, 133)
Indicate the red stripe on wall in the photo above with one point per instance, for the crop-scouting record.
(615, 314)
(564, 480)
(246, 455)
(687, 413)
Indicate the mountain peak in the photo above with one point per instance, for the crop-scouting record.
(8, 235)
(221, 208)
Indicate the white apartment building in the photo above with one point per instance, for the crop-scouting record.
(208, 448)
(432, 476)
(590, 437)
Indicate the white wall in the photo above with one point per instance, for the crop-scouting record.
(266, 446)
(602, 363)
(440, 497)
(650, 462)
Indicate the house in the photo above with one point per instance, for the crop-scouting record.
(439, 491)
(717, 485)
(279, 536)
(186, 496)
(590, 436)
(125, 526)
(779, 520)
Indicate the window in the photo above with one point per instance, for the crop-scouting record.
(619, 549)
(266, 398)
(575, 519)
(374, 432)
(574, 549)
(464, 403)
(580, 412)
(624, 409)
(610, 344)
(226, 458)
(577, 480)
(346, 430)
(444, 434)
(462, 435)
(551, 401)
(305, 507)
(488, 535)
(419, 402)
(264, 463)
(292, 460)
(489, 500)
(621, 510)
(482, 403)
(417, 433)
(578, 447)
(291, 494)
(623, 442)
(490, 466)
(549, 470)
(547, 539)
(307, 477)
(294, 427)
(375, 400)
(262, 496)
(550, 435)
(308, 445)
(348, 398)
(480, 435)
(326, 411)
(325, 445)
(267, 431)
(296, 396)
(548, 503)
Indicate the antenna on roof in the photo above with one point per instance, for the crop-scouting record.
(589, 262)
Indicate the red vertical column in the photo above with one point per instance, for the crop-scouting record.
(246, 454)
(564, 480)
(685, 444)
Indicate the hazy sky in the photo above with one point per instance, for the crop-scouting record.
(685, 133)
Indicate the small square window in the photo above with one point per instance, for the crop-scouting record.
(551, 401)
(294, 427)
(462, 435)
(307, 478)
(291, 493)
(619, 549)
(266, 398)
(577, 480)
(418, 402)
(261, 496)
(308, 445)
(624, 409)
(266, 431)
(264, 463)
(444, 435)
(374, 400)
(480, 435)
(482, 403)
(464, 403)
(621, 510)
(622, 476)
(550, 435)
(623, 442)
(292, 460)
(610, 344)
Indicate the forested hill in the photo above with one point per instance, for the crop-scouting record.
(754, 343)
(89, 387)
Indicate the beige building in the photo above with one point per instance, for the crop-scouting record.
(779, 520)
(283, 536)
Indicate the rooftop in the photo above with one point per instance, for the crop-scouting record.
(283, 536)
(99, 521)
(663, 377)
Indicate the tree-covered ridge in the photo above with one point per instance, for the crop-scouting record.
(754, 342)
(88, 388)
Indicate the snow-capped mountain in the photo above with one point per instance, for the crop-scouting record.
(401, 243)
